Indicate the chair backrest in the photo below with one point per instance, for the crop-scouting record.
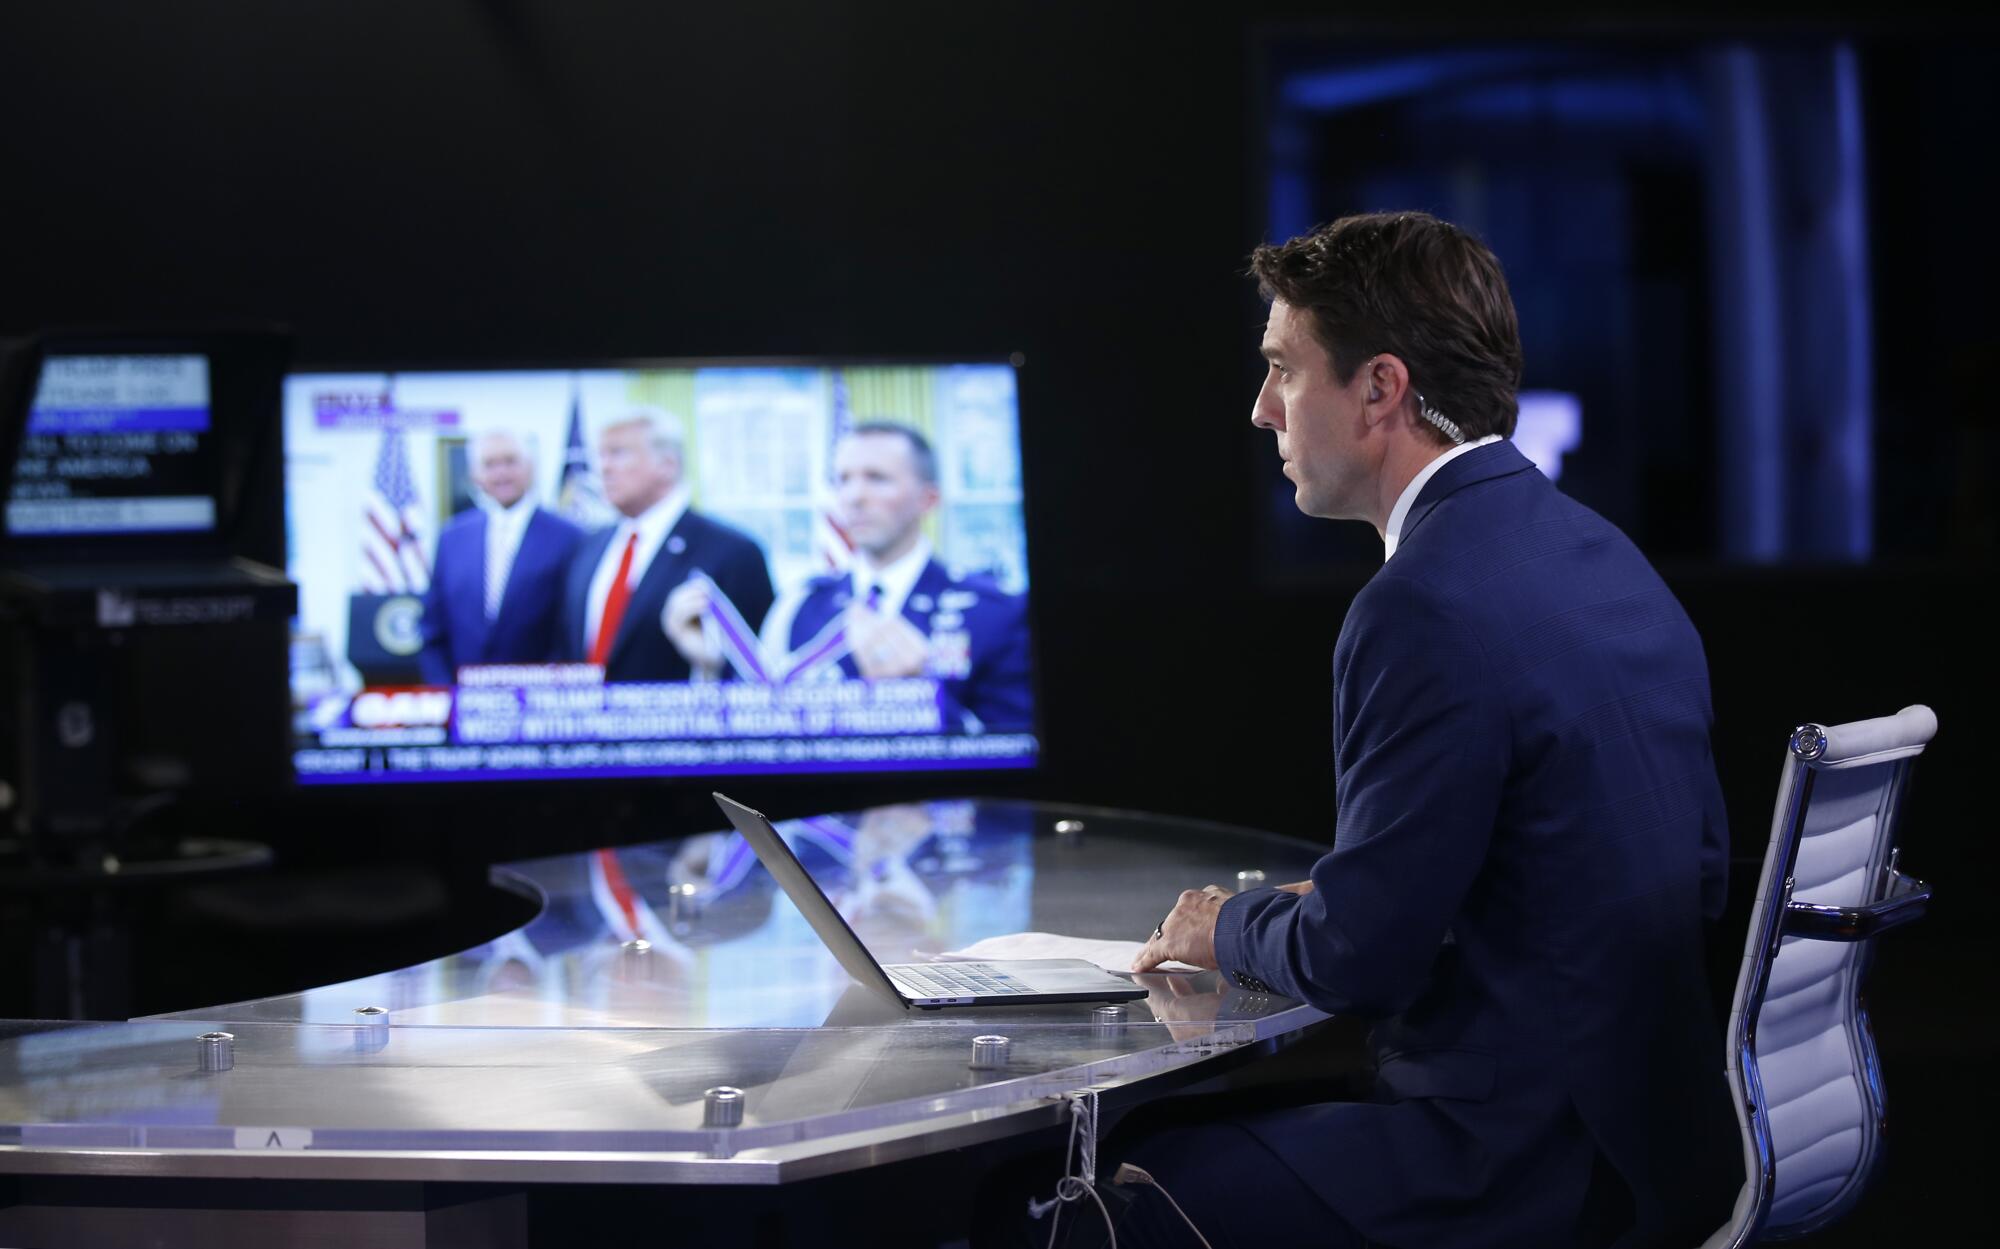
(1801, 1058)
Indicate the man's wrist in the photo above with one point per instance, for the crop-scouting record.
(1234, 957)
(1229, 937)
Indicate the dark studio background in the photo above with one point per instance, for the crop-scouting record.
(499, 182)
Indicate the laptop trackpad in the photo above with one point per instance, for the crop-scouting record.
(1063, 975)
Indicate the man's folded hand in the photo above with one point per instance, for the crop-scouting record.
(1187, 934)
(684, 621)
(885, 645)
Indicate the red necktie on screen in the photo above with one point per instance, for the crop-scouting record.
(614, 605)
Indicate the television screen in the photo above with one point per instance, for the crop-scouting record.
(116, 444)
(675, 569)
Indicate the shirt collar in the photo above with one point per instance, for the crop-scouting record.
(896, 580)
(1393, 531)
(515, 515)
(656, 522)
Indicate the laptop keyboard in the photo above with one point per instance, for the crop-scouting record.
(954, 980)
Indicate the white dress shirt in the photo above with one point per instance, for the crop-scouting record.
(652, 525)
(1393, 531)
(505, 527)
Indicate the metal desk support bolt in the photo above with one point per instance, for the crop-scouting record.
(215, 1051)
(635, 961)
(722, 1107)
(1107, 1023)
(1252, 879)
(683, 905)
(989, 1052)
(1069, 828)
(371, 1029)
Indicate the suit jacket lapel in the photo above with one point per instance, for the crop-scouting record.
(930, 583)
(1498, 459)
(508, 592)
(668, 569)
(476, 531)
(589, 555)
(475, 646)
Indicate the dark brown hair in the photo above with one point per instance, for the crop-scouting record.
(1417, 288)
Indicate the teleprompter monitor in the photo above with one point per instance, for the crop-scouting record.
(656, 570)
(145, 445)
(144, 619)
(117, 444)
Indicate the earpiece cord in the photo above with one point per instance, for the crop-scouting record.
(1082, 1131)
(1129, 1174)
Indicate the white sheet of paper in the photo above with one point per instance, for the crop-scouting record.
(1115, 956)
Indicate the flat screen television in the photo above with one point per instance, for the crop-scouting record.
(659, 569)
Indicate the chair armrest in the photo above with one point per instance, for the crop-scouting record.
(1906, 899)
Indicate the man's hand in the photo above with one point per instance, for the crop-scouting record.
(884, 645)
(1187, 934)
(685, 620)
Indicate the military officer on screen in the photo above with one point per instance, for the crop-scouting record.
(897, 610)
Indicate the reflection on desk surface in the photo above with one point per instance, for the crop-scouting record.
(654, 973)
(725, 949)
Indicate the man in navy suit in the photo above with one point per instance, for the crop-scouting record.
(629, 604)
(1529, 834)
(897, 612)
(495, 592)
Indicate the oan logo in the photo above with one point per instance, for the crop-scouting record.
(401, 709)
(399, 625)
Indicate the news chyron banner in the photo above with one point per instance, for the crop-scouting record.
(698, 570)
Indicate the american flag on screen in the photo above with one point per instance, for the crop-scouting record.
(580, 498)
(830, 542)
(392, 525)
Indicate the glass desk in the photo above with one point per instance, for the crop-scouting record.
(582, 1047)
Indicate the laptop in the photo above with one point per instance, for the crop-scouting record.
(1014, 982)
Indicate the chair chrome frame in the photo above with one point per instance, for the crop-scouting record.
(1897, 899)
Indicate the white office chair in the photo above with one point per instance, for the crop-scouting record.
(1800, 1057)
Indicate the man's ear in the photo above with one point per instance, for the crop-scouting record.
(1388, 385)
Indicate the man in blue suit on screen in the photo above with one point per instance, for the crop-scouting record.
(897, 611)
(636, 594)
(1529, 833)
(496, 586)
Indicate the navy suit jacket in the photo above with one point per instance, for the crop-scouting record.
(1530, 834)
(456, 630)
(979, 638)
(642, 651)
